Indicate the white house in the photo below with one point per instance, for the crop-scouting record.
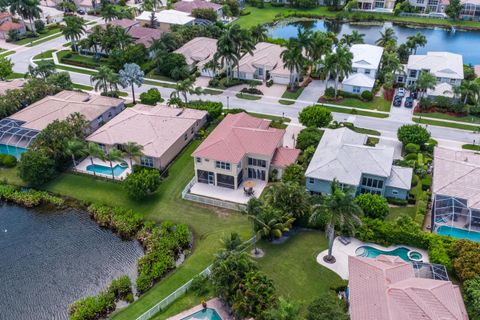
(264, 64)
(166, 19)
(365, 64)
(446, 66)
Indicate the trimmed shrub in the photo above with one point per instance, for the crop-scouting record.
(411, 156)
(92, 308)
(412, 148)
(151, 97)
(309, 137)
(466, 257)
(30, 198)
(214, 109)
(415, 180)
(120, 287)
(373, 205)
(142, 183)
(426, 183)
(8, 161)
(471, 291)
(367, 95)
(315, 116)
(413, 133)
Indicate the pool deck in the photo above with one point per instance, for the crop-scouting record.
(214, 303)
(82, 167)
(341, 253)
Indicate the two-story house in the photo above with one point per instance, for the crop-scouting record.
(342, 155)
(241, 147)
(446, 66)
(365, 64)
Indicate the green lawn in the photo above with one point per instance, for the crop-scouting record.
(397, 212)
(159, 84)
(44, 55)
(293, 267)
(474, 147)
(247, 96)
(212, 91)
(6, 54)
(269, 117)
(82, 87)
(74, 57)
(48, 33)
(16, 75)
(446, 124)
(356, 111)
(269, 14)
(291, 95)
(209, 225)
(445, 116)
(378, 103)
(73, 69)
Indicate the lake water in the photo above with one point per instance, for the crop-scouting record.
(466, 43)
(50, 259)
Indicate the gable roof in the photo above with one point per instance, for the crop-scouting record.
(58, 107)
(342, 155)
(285, 156)
(385, 288)
(366, 56)
(167, 16)
(155, 128)
(198, 51)
(237, 135)
(141, 35)
(457, 174)
(440, 64)
(359, 80)
(190, 5)
(9, 25)
(265, 54)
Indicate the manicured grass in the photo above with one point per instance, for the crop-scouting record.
(269, 14)
(154, 76)
(16, 75)
(73, 69)
(445, 116)
(11, 176)
(370, 132)
(378, 103)
(41, 36)
(6, 54)
(446, 124)
(474, 147)
(293, 267)
(82, 87)
(212, 92)
(76, 58)
(247, 96)
(291, 95)
(372, 141)
(396, 212)
(356, 111)
(159, 84)
(269, 117)
(44, 55)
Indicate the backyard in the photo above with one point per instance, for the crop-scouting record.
(378, 104)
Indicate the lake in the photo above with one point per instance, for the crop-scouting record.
(50, 259)
(465, 43)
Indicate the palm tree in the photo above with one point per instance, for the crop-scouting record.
(425, 81)
(74, 29)
(133, 150)
(228, 53)
(321, 45)
(469, 90)
(293, 60)
(259, 33)
(102, 79)
(75, 148)
(271, 223)
(386, 37)
(122, 38)
(340, 210)
(130, 76)
(93, 150)
(113, 155)
(108, 11)
(338, 65)
(27, 9)
(354, 38)
(252, 210)
(183, 88)
(68, 6)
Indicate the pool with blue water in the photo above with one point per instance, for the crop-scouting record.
(205, 314)
(402, 252)
(459, 233)
(117, 170)
(12, 150)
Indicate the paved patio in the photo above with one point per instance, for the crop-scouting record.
(341, 253)
(225, 194)
(214, 303)
(82, 167)
(314, 90)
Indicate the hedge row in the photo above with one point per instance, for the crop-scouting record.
(99, 306)
(214, 109)
(29, 198)
(163, 243)
(8, 161)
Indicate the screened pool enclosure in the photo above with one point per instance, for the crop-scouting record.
(15, 139)
(454, 213)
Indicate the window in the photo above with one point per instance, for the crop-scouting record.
(367, 71)
(257, 162)
(222, 165)
(260, 71)
(146, 162)
(420, 1)
(100, 120)
(311, 180)
(413, 74)
(354, 70)
(198, 159)
(356, 89)
(191, 130)
(239, 165)
(394, 192)
(185, 137)
(110, 114)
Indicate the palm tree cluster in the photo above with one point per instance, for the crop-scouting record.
(27, 9)
(105, 80)
(415, 41)
(106, 39)
(74, 29)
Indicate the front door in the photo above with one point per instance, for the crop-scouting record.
(211, 178)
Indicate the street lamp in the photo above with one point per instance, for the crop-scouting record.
(228, 102)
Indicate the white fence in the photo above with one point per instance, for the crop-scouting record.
(171, 297)
(210, 201)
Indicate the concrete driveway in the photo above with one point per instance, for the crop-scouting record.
(313, 91)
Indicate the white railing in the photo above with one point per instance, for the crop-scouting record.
(172, 297)
(209, 201)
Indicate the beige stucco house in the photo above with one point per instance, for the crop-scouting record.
(198, 52)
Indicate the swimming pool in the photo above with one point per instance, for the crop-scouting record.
(205, 314)
(117, 170)
(402, 252)
(12, 150)
(459, 233)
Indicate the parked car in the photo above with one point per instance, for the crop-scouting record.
(401, 92)
(80, 12)
(409, 102)
(397, 101)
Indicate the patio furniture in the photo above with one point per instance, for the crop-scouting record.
(344, 240)
(249, 184)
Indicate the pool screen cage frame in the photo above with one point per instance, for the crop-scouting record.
(13, 135)
(430, 271)
(450, 210)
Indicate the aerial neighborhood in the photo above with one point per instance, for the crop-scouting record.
(230, 159)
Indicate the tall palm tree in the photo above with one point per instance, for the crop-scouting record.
(339, 64)
(130, 76)
(259, 33)
(108, 11)
(386, 37)
(111, 156)
(354, 38)
(75, 148)
(183, 88)
(304, 39)
(293, 60)
(321, 45)
(228, 52)
(67, 6)
(132, 150)
(425, 81)
(122, 38)
(93, 150)
(74, 29)
(271, 223)
(252, 210)
(415, 41)
(27, 9)
(340, 210)
(469, 90)
(102, 79)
